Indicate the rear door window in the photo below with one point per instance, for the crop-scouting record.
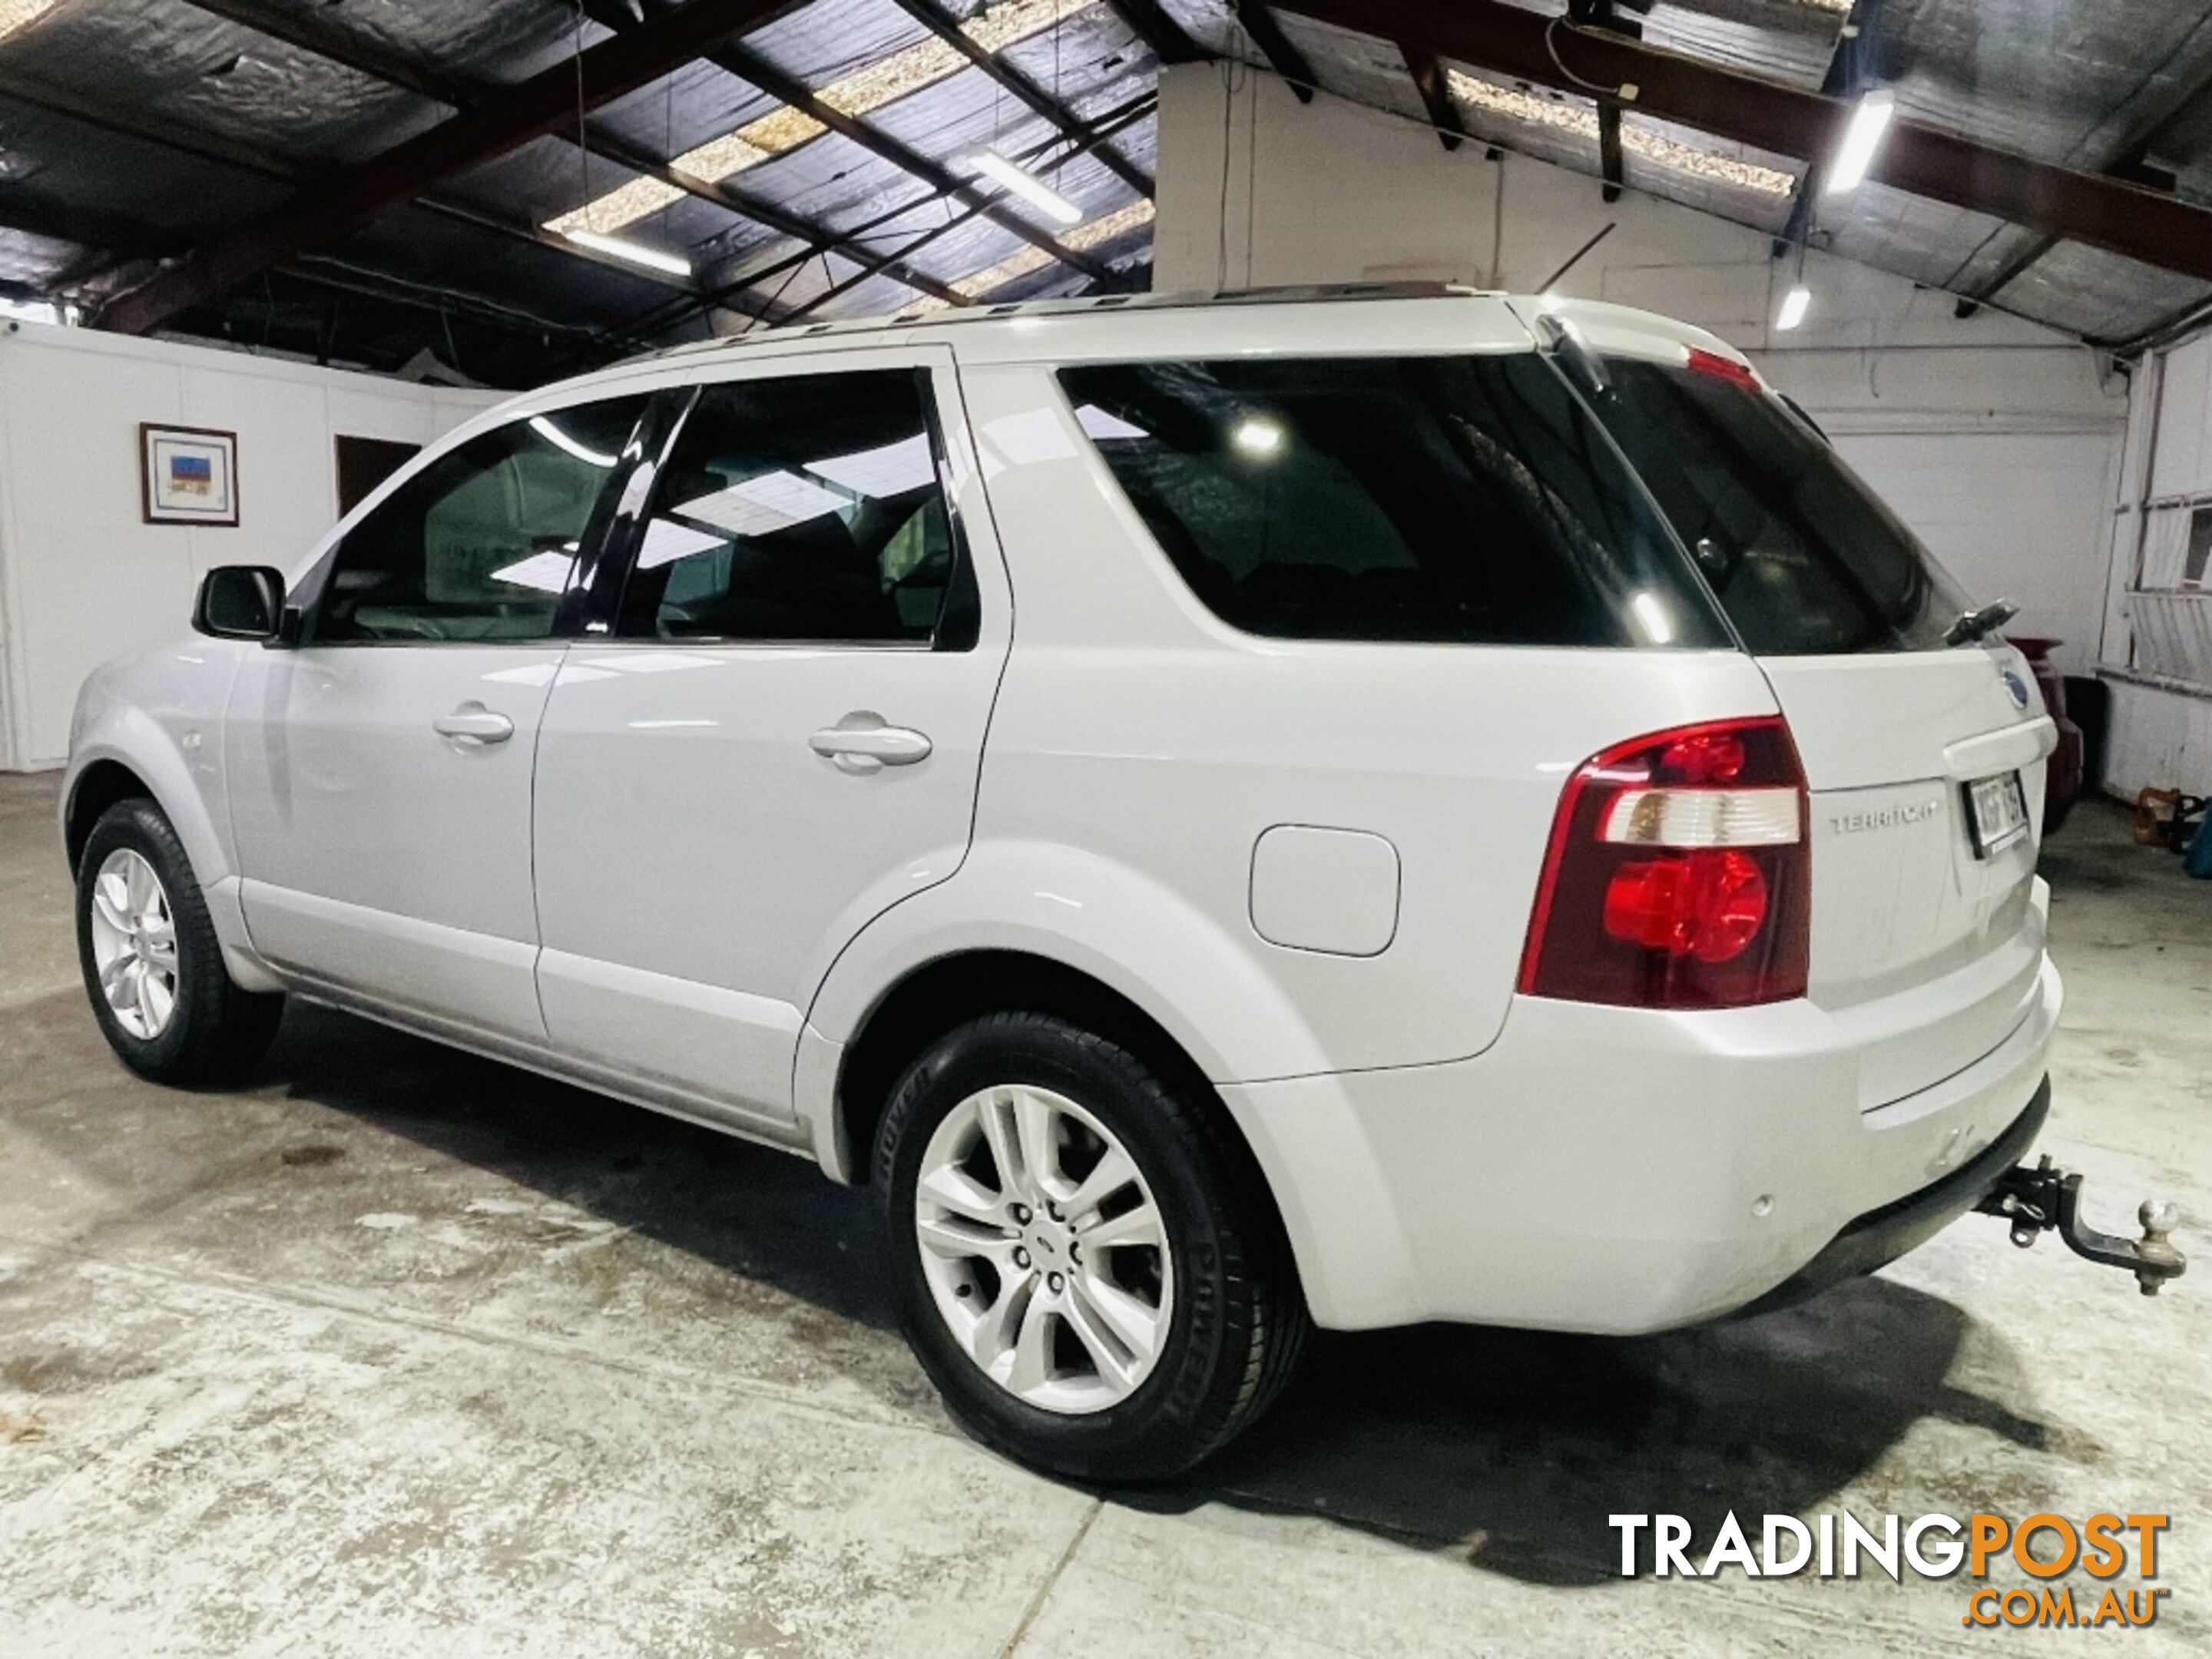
(1467, 499)
(1805, 558)
(806, 509)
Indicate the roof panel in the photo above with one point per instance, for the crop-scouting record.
(165, 58)
(490, 40)
(2103, 296)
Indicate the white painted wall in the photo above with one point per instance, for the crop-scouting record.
(1997, 440)
(82, 577)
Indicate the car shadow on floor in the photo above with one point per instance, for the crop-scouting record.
(1510, 1447)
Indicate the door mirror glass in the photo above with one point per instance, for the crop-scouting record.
(240, 601)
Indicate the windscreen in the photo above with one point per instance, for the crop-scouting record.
(1465, 498)
(1804, 558)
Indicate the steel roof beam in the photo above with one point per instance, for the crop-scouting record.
(1149, 21)
(1918, 159)
(1287, 61)
(1428, 75)
(1064, 119)
(750, 67)
(2143, 142)
(502, 124)
(304, 31)
(1106, 126)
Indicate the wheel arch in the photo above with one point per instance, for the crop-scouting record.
(936, 995)
(97, 787)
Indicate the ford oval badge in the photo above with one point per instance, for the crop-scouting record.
(2017, 686)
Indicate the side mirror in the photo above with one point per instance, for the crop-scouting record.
(240, 601)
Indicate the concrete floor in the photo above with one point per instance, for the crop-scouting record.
(401, 1352)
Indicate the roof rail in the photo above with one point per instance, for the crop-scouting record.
(934, 316)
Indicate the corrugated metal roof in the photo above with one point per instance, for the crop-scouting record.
(189, 123)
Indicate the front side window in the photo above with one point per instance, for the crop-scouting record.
(1463, 499)
(482, 543)
(806, 508)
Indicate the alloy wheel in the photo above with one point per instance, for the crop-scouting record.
(134, 944)
(1044, 1248)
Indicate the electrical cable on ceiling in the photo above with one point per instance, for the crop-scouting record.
(1625, 91)
(583, 147)
(1251, 182)
(1229, 84)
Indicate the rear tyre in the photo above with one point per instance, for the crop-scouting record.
(1089, 1267)
(153, 966)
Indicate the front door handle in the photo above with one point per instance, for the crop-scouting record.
(862, 743)
(472, 725)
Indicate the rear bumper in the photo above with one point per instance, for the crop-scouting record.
(1879, 1236)
(1621, 1171)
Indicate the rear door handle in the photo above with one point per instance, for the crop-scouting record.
(862, 743)
(472, 725)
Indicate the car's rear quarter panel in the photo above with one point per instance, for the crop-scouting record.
(1134, 726)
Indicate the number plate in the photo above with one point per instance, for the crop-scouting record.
(1996, 811)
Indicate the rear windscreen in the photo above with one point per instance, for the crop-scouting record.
(1445, 499)
(1805, 558)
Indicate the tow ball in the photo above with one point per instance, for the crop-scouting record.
(2038, 1200)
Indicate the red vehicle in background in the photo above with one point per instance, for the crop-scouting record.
(2063, 783)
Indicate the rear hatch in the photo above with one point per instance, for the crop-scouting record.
(1924, 758)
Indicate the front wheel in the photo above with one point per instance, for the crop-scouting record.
(152, 963)
(1089, 1267)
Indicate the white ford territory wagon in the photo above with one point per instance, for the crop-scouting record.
(1234, 816)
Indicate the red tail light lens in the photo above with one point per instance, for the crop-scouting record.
(1678, 874)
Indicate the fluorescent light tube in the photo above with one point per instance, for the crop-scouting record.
(1861, 140)
(616, 247)
(1027, 185)
(553, 434)
(1795, 304)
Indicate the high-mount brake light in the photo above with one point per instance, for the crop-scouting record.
(1721, 368)
(1678, 874)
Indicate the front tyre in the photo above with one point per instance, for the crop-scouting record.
(1088, 1266)
(152, 965)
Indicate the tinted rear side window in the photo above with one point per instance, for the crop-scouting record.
(1441, 499)
(1806, 559)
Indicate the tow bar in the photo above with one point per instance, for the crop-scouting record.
(2038, 1200)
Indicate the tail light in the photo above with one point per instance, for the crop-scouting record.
(1678, 874)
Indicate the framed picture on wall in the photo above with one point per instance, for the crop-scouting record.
(189, 475)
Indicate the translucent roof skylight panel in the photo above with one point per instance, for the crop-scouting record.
(1536, 122)
(681, 112)
(155, 57)
(825, 42)
(1737, 182)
